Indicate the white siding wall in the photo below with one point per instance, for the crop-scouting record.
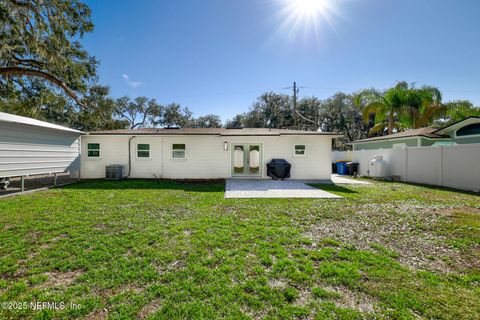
(205, 156)
(449, 166)
(28, 150)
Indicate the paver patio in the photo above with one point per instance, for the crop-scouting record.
(251, 188)
(338, 179)
(256, 188)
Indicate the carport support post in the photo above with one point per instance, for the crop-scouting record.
(22, 183)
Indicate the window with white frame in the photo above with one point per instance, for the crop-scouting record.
(300, 150)
(143, 150)
(178, 151)
(93, 150)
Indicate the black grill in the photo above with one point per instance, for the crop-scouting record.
(278, 169)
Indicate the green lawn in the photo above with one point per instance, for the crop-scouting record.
(172, 250)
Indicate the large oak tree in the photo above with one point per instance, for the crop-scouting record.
(40, 41)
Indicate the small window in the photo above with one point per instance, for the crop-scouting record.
(299, 150)
(143, 150)
(93, 150)
(471, 129)
(178, 151)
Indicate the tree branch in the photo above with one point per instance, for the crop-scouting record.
(21, 71)
(28, 62)
(21, 3)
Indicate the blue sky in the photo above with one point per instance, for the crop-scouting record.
(218, 56)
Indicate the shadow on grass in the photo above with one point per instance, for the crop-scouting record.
(427, 186)
(151, 184)
(333, 188)
(433, 187)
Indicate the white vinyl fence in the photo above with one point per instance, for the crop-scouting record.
(455, 166)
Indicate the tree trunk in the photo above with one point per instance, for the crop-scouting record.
(390, 124)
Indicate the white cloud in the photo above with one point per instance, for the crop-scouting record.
(133, 84)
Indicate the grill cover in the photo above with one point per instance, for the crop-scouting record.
(278, 169)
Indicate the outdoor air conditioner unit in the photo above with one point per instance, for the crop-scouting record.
(114, 171)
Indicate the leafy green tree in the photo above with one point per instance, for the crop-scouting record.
(208, 121)
(174, 115)
(38, 102)
(399, 107)
(236, 122)
(99, 114)
(458, 110)
(383, 106)
(422, 107)
(308, 114)
(271, 110)
(40, 40)
(136, 112)
(340, 113)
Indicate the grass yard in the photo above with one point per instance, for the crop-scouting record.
(172, 250)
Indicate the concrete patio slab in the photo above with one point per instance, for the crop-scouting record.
(250, 188)
(338, 179)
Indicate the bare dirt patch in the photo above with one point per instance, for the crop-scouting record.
(405, 228)
(354, 299)
(149, 309)
(60, 279)
(97, 314)
(277, 284)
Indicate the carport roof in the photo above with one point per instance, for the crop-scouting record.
(7, 117)
(212, 131)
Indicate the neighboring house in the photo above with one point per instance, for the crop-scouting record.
(462, 132)
(30, 147)
(205, 153)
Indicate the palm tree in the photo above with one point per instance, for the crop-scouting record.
(385, 106)
(400, 107)
(422, 107)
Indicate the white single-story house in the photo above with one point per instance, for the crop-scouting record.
(205, 153)
(31, 147)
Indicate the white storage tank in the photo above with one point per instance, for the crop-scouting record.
(378, 167)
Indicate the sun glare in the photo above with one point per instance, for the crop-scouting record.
(309, 7)
(307, 18)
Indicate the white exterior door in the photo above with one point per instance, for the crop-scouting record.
(246, 160)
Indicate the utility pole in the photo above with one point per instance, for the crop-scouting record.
(295, 116)
(295, 91)
(295, 112)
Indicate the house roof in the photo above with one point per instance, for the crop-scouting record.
(7, 117)
(212, 131)
(454, 125)
(421, 132)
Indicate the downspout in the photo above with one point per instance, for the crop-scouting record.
(129, 157)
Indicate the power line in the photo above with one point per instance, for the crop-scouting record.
(296, 90)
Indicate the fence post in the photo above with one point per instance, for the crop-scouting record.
(22, 183)
(440, 171)
(405, 178)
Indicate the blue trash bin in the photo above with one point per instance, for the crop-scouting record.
(342, 168)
